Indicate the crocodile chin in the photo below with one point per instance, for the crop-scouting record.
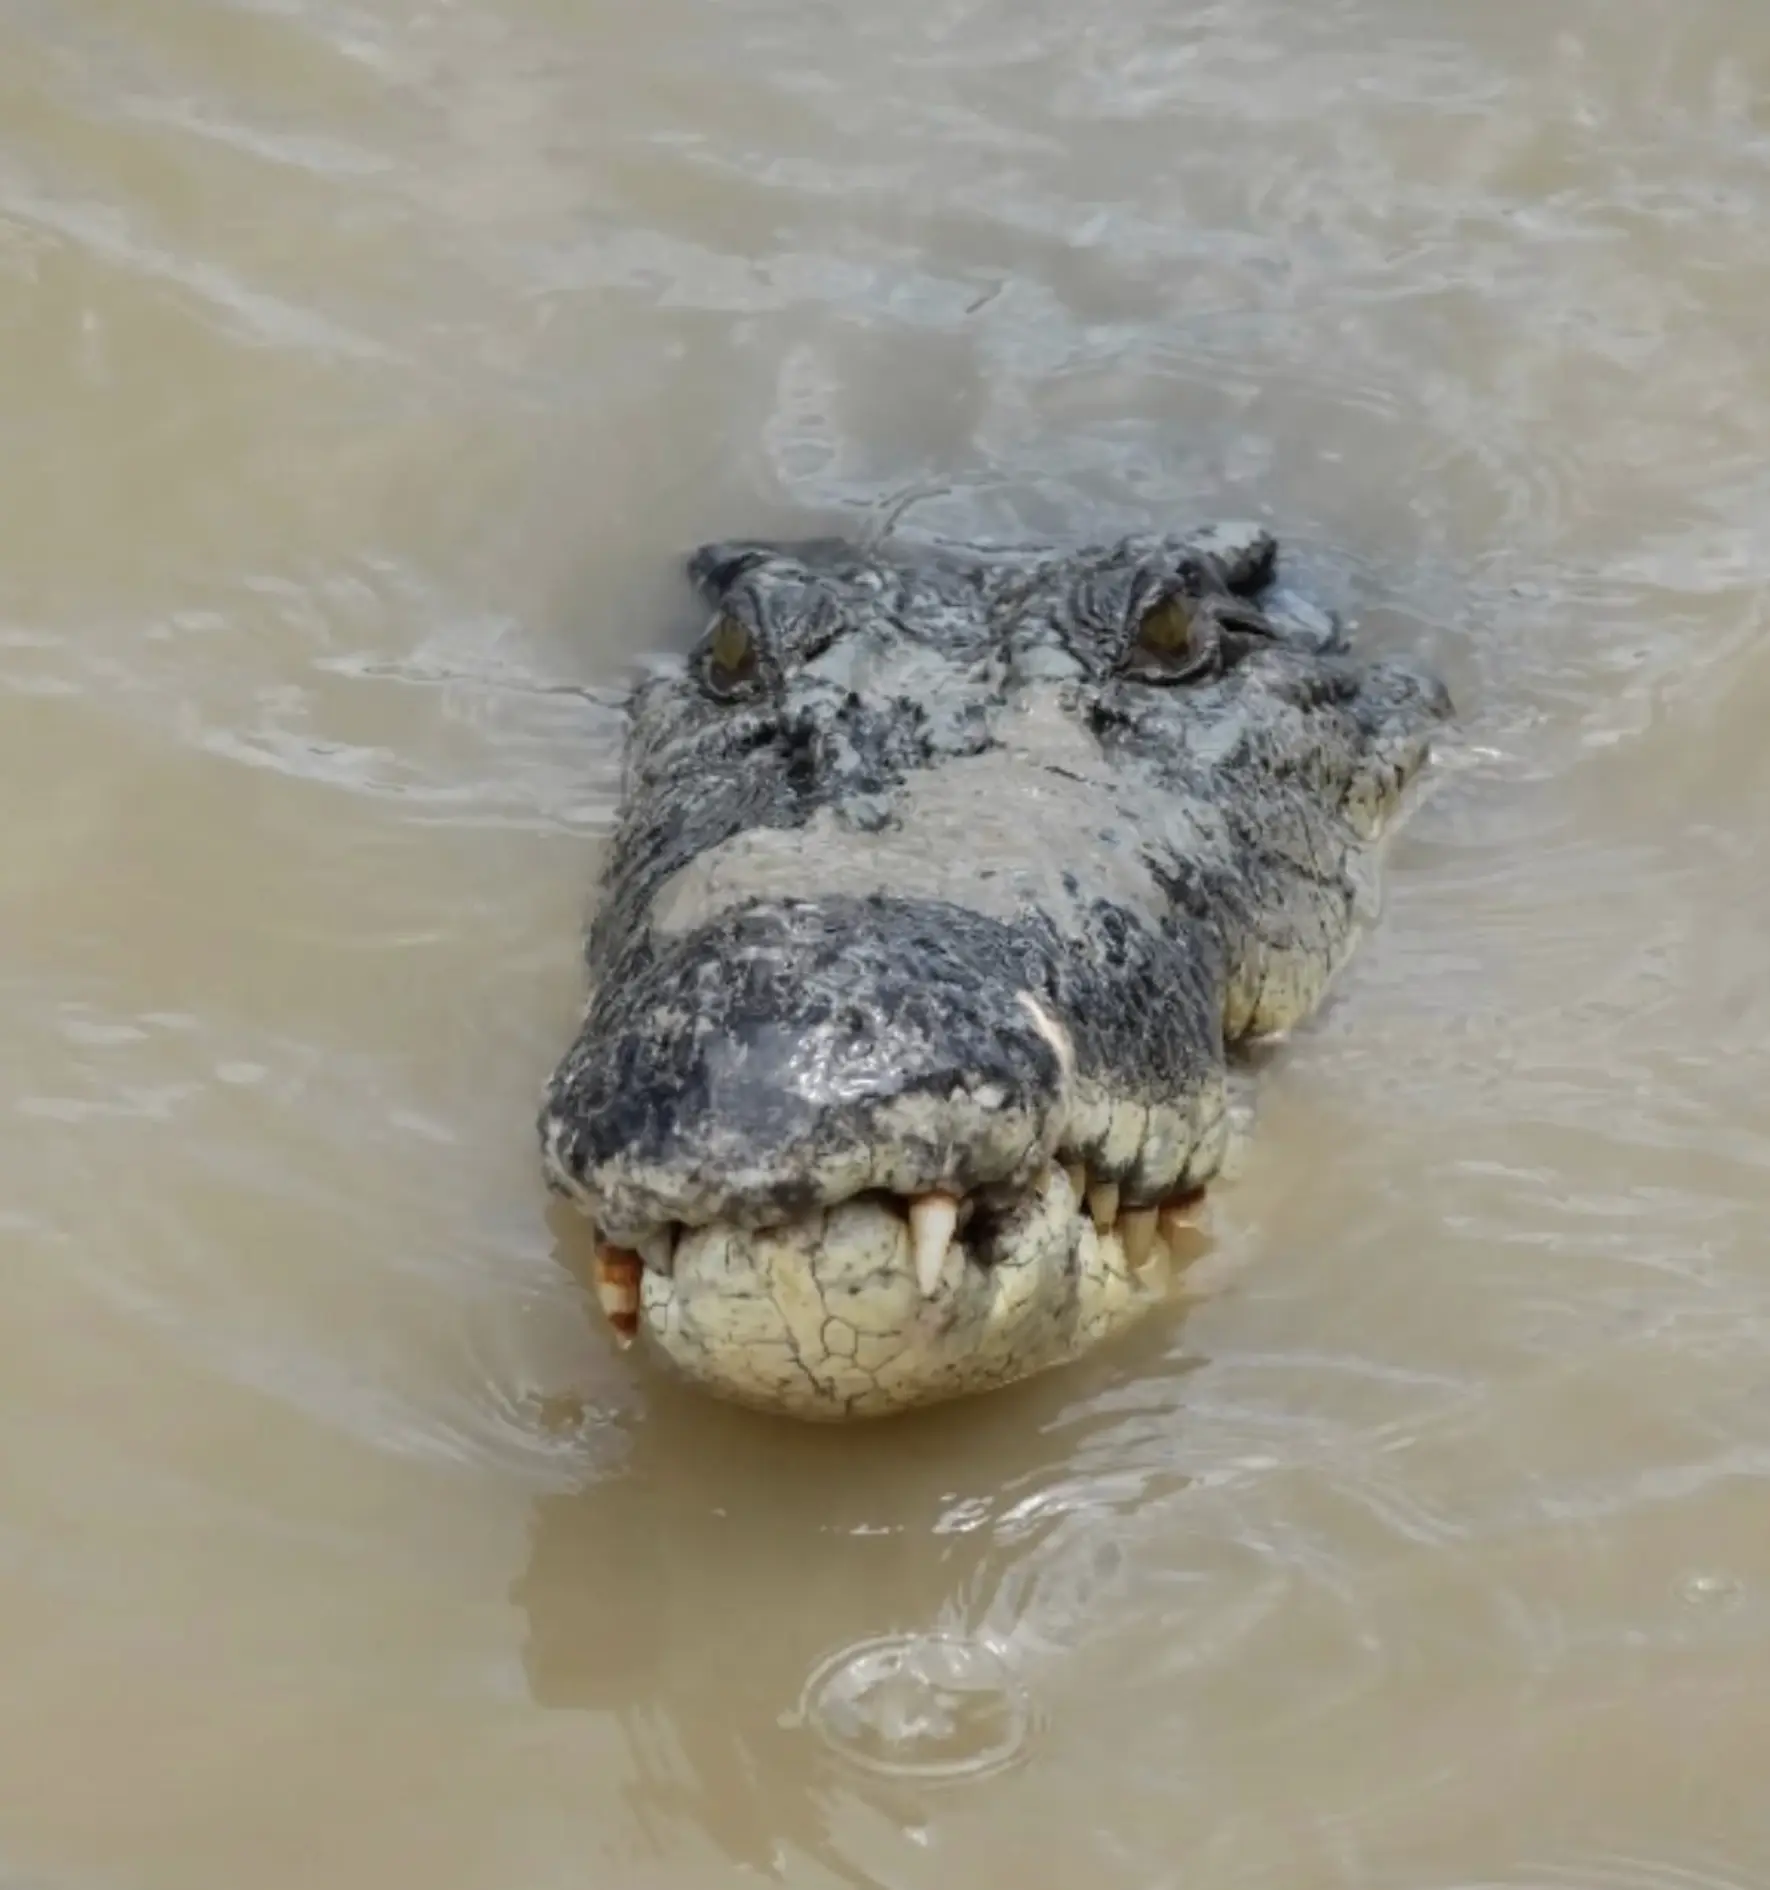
(944, 889)
(879, 1303)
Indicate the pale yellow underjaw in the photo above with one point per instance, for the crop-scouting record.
(873, 1306)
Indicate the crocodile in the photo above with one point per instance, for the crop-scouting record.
(947, 890)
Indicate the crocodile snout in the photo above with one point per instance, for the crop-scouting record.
(792, 1055)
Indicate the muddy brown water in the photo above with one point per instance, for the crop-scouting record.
(363, 371)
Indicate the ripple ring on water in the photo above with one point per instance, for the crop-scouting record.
(927, 1706)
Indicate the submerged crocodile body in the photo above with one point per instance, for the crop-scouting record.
(944, 886)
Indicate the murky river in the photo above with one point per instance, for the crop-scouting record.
(364, 370)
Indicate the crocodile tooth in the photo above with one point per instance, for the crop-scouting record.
(1181, 1226)
(1181, 1210)
(1078, 1180)
(617, 1290)
(1103, 1204)
(932, 1220)
(1174, 1224)
(1137, 1235)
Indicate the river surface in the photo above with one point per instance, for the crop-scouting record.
(364, 371)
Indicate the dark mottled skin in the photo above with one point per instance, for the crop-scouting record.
(1188, 871)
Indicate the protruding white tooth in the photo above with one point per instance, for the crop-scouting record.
(1137, 1236)
(1078, 1180)
(1103, 1204)
(932, 1220)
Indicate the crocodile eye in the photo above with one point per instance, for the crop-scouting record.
(1166, 632)
(731, 654)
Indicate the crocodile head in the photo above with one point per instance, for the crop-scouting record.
(943, 887)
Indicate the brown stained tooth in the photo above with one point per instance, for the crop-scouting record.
(1137, 1232)
(1103, 1204)
(932, 1220)
(617, 1290)
(1078, 1180)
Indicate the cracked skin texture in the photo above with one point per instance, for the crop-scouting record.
(958, 874)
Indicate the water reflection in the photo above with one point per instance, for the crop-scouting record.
(720, 1565)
